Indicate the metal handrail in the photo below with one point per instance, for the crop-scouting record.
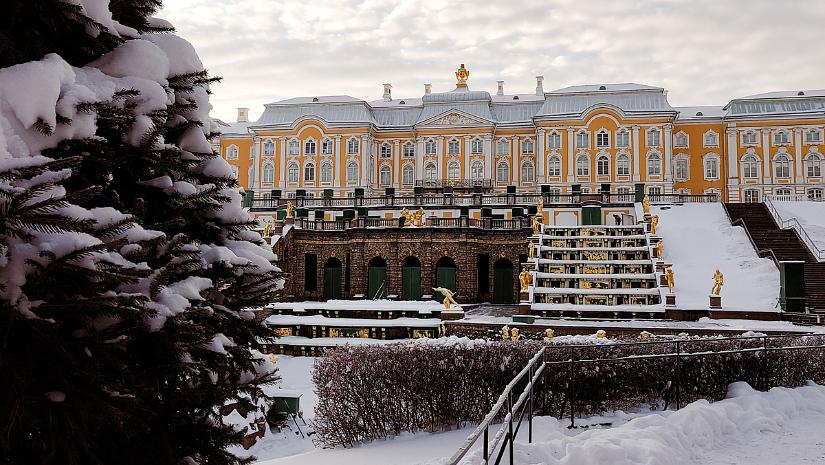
(793, 223)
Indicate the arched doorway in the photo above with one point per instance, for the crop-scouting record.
(411, 279)
(445, 276)
(503, 281)
(332, 279)
(377, 278)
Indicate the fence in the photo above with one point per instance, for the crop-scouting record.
(794, 224)
(761, 361)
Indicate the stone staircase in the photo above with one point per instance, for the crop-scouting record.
(783, 244)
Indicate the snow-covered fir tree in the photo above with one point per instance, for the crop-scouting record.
(127, 265)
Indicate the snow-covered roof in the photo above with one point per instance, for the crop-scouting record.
(574, 103)
(232, 128)
(318, 99)
(786, 94)
(619, 87)
(703, 112)
(280, 113)
(781, 103)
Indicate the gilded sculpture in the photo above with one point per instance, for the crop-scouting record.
(537, 219)
(654, 223)
(526, 279)
(448, 297)
(718, 282)
(505, 333)
(267, 230)
(418, 218)
(408, 217)
(549, 334)
(461, 75)
(646, 205)
(670, 279)
(540, 207)
(514, 334)
(531, 250)
(660, 252)
(290, 210)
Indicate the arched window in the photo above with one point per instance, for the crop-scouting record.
(453, 147)
(503, 172)
(309, 172)
(622, 165)
(711, 139)
(352, 171)
(384, 177)
(386, 151)
(232, 152)
(602, 165)
(476, 146)
(750, 167)
(452, 170)
(680, 140)
(681, 168)
(554, 140)
(782, 166)
(602, 139)
(654, 138)
(781, 137)
(813, 165)
(309, 147)
(430, 172)
(326, 147)
(294, 147)
(477, 171)
(326, 172)
(622, 138)
(407, 174)
(269, 148)
(582, 140)
(430, 147)
(554, 166)
(527, 171)
(352, 146)
(582, 166)
(409, 150)
(527, 147)
(711, 167)
(749, 138)
(269, 173)
(292, 173)
(503, 147)
(654, 164)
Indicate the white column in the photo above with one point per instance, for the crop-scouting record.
(336, 161)
(766, 156)
(255, 182)
(419, 158)
(733, 159)
(488, 157)
(365, 161)
(571, 163)
(396, 162)
(797, 144)
(669, 156)
(636, 176)
(540, 158)
(282, 154)
(466, 157)
(439, 150)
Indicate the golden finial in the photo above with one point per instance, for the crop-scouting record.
(462, 75)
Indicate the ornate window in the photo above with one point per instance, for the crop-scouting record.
(622, 138)
(554, 140)
(711, 166)
(602, 165)
(813, 136)
(477, 171)
(269, 173)
(654, 164)
(430, 172)
(654, 137)
(623, 165)
(326, 172)
(386, 150)
(682, 168)
(554, 166)
(815, 193)
(453, 147)
(813, 165)
(503, 147)
(527, 147)
(452, 171)
(710, 139)
(527, 171)
(582, 140)
(782, 166)
(430, 147)
(680, 140)
(269, 149)
(352, 172)
(294, 147)
(309, 172)
(503, 172)
(407, 175)
(476, 146)
(781, 137)
(309, 147)
(602, 139)
(582, 166)
(292, 173)
(326, 147)
(750, 138)
(750, 167)
(384, 177)
(232, 152)
(352, 146)
(409, 150)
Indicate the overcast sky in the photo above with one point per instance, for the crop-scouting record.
(703, 51)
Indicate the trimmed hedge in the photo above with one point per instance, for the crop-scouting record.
(374, 392)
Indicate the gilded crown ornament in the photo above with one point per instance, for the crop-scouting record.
(462, 75)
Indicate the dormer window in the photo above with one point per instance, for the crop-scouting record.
(386, 151)
(781, 137)
(582, 140)
(554, 140)
(476, 146)
(602, 139)
(654, 138)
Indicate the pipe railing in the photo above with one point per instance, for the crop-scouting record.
(793, 223)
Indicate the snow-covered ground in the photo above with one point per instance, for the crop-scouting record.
(811, 215)
(380, 304)
(698, 240)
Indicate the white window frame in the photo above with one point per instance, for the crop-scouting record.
(269, 148)
(326, 172)
(294, 147)
(409, 150)
(582, 165)
(554, 140)
(309, 172)
(782, 162)
(622, 138)
(310, 148)
(710, 139)
(476, 146)
(528, 147)
(293, 172)
(813, 165)
(582, 139)
(385, 175)
(502, 172)
(326, 146)
(681, 140)
(554, 166)
(232, 152)
(352, 171)
(503, 147)
(815, 140)
(602, 139)
(268, 173)
(681, 167)
(750, 166)
(453, 171)
(750, 138)
(711, 166)
(815, 193)
(385, 151)
(430, 147)
(477, 171)
(407, 174)
(658, 165)
(623, 165)
(784, 140)
(654, 137)
(602, 165)
(352, 146)
(528, 171)
(454, 147)
(430, 172)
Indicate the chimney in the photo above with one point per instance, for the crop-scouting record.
(500, 90)
(428, 89)
(540, 86)
(387, 95)
(243, 115)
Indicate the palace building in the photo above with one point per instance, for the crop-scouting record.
(581, 139)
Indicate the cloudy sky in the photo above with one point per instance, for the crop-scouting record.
(703, 51)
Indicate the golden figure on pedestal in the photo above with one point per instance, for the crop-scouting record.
(660, 252)
(418, 218)
(537, 220)
(671, 282)
(526, 279)
(549, 334)
(461, 75)
(267, 230)
(290, 209)
(654, 223)
(505, 333)
(646, 205)
(448, 297)
(408, 218)
(540, 208)
(531, 250)
(718, 282)
(514, 334)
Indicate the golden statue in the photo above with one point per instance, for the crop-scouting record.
(514, 334)
(418, 218)
(645, 335)
(718, 282)
(526, 279)
(462, 75)
(646, 205)
(267, 230)
(290, 209)
(660, 249)
(670, 279)
(601, 334)
(408, 218)
(549, 334)
(536, 223)
(654, 223)
(448, 297)
(505, 333)
(531, 250)
(540, 207)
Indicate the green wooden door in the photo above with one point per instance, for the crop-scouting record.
(332, 282)
(503, 286)
(591, 216)
(411, 283)
(444, 277)
(377, 282)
